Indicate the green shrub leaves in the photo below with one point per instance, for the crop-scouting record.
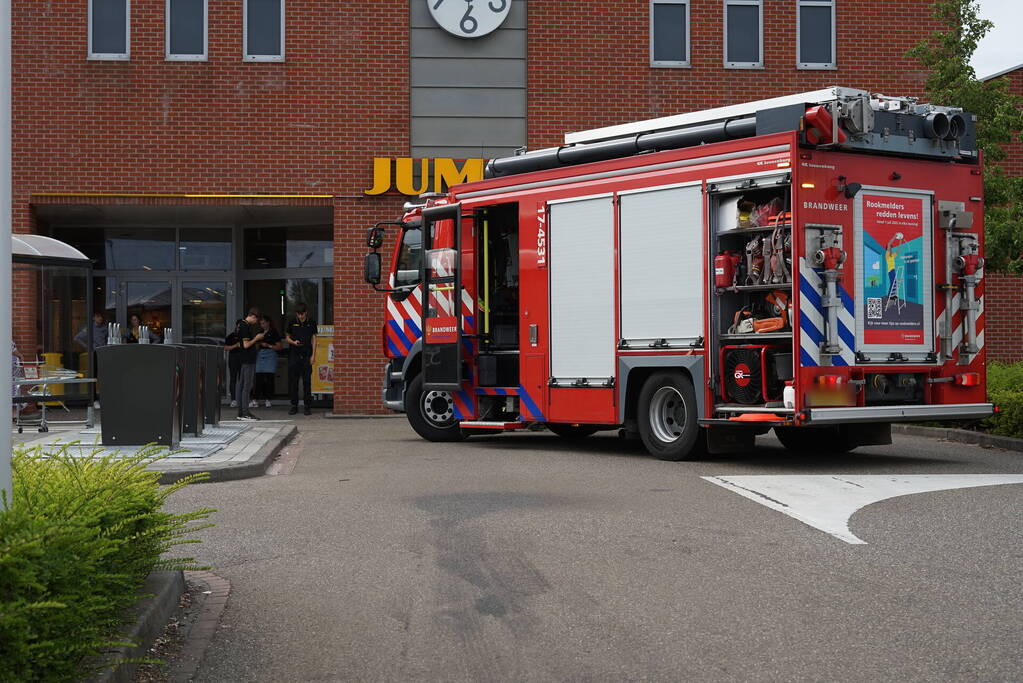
(76, 543)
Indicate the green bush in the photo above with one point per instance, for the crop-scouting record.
(1005, 390)
(76, 542)
(1008, 421)
(1004, 377)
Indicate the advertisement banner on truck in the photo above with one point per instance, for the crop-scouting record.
(893, 279)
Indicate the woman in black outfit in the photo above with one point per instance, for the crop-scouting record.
(266, 362)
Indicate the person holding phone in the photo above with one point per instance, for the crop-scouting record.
(251, 335)
(299, 335)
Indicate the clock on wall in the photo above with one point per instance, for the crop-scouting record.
(469, 18)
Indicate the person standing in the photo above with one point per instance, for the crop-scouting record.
(99, 333)
(250, 335)
(233, 346)
(266, 361)
(134, 329)
(299, 334)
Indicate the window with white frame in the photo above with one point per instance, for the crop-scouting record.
(109, 21)
(669, 32)
(815, 31)
(744, 34)
(264, 30)
(186, 30)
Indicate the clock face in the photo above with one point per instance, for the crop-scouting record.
(469, 18)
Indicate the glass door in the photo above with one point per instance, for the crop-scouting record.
(203, 312)
(148, 303)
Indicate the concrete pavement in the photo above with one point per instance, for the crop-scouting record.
(524, 556)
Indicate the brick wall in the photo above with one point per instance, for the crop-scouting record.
(1013, 163)
(1003, 326)
(591, 68)
(310, 125)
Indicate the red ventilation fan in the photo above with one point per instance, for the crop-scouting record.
(747, 376)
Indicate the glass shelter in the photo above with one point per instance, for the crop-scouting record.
(53, 327)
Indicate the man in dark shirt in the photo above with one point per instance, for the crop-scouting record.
(251, 334)
(299, 334)
(233, 346)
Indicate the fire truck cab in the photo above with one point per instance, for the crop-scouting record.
(810, 264)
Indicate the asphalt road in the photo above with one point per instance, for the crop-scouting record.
(527, 557)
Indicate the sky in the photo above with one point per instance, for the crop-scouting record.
(1001, 48)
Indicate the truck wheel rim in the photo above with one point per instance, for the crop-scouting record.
(438, 408)
(667, 414)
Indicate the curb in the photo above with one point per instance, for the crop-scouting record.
(961, 436)
(358, 416)
(161, 592)
(185, 665)
(253, 467)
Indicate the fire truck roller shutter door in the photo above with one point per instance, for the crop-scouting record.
(582, 289)
(661, 248)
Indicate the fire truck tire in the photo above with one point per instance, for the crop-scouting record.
(667, 414)
(809, 439)
(430, 413)
(572, 431)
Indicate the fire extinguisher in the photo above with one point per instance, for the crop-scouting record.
(725, 264)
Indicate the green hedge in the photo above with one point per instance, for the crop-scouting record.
(1005, 390)
(76, 543)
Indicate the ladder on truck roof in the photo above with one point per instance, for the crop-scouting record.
(834, 117)
(718, 114)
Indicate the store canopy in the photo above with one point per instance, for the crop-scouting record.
(42, 248)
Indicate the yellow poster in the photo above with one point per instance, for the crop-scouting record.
(323, 360)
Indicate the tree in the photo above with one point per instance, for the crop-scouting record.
(946, 54)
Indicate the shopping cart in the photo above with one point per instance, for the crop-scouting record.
(34, 382)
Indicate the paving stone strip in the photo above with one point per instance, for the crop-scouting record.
(214, 591)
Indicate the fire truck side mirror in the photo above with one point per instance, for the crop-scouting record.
(375, 237)
(371, 268)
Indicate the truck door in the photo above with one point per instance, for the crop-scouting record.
(442, 309)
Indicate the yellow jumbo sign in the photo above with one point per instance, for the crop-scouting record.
(435, 175)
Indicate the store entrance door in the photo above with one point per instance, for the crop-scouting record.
(196, 309)
(148, 303)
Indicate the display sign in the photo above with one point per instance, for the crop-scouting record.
(323, 360)
(893, 270)
(415, 176)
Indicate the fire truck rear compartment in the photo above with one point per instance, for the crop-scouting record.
(751, 272)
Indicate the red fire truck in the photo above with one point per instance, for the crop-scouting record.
(809, 264)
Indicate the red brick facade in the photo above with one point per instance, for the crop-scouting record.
(1013, 163)
(589, 61)
(1003, 330)
(313, 124)
(310, 125)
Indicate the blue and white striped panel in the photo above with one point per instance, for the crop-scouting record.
(811, 320)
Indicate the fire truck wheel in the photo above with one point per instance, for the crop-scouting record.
(667, 415)
(431, 413)
(809, 439)
(572, 431)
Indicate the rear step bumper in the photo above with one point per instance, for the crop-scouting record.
(954, 411)
(493, 426)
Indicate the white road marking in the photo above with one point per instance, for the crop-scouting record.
(826, 502)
